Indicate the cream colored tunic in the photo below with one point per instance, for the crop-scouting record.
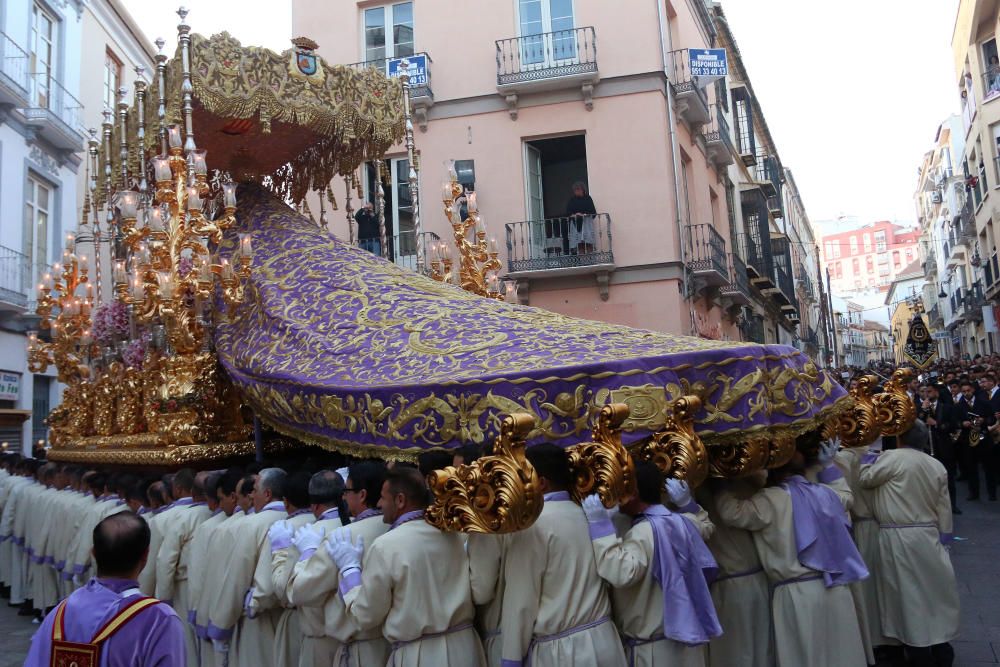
(314, 582)
(248, 568)
(317, 650)
(83, 556)
(415, 584)
(20, 500)
(9, 564)
(637, 598)
(159, 524)
(740, 592)
(813, 625)
(172, 566)
(487, 557)
(552, 588)
(207, 580)
(195, 558)
(288, 629)
(76, 508)
(917, 591)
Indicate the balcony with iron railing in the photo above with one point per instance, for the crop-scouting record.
(547, 61)
(784, 294)
(403, 251)
(691, 98)
(718, 140)
(934, 316)
(737, 292)
(805, 285)
(974, 302)
(14, 82)
(707, 260)
(968, 214)
(559, 246)
(767, 173)
(957, 303)
(55, 113)
(16, 280)
(752, 329)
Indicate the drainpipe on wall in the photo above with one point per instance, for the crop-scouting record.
(666, 47)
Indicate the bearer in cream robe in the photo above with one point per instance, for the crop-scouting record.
(173, 559)
(287, 628)
(917, 591)
(313, 583)
(815, 621)
(740, 591)
(658, 572)
(182, 487)
(247, 575)
(556, 609)
(288, 547)
(83, 559)
(8, 546)
(212, 551)
(45, 583)
(20, 502)
(414, 583)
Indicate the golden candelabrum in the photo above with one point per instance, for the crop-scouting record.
(478, 259)
(65, 302)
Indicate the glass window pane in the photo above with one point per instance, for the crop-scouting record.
(42, 199)
(561, 11)
(375, 33)
(402, 30)
(531, 17)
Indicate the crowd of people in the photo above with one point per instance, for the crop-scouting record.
(824, 561)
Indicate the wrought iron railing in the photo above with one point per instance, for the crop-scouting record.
(717, 129)
(752, 329)
(15, 277)
(559, 243)
(767, 170)
(991, 83)
(750, 248)
(14, 62)
(404, 249)
(708, 249)
(974, 297)
(957, 302)
(738, 279)
(47, 93)
(547, 55)
(934, 314)
(783, 279)
(418, 88)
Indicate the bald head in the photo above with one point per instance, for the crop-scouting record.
(121, 544)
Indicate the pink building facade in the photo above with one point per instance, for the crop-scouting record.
(533, 96)
(868, 259)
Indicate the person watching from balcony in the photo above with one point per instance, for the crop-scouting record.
(369, 237)
(581, 211)
(993, 77)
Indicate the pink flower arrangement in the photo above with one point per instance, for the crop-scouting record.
(135, 352)
(184, 266)
(110, 321)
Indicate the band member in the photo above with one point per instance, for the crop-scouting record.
(976, 419)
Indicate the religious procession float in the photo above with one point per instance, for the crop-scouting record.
(200, 298)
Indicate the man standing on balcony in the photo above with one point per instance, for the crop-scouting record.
(368, 233)
(581, 211)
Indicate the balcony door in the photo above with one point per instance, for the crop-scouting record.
(546, 31)
(388, 32)
(400, 230)
(43, 52)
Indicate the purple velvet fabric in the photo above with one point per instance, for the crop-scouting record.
(154, 637)
(822, 533)
(339, 346)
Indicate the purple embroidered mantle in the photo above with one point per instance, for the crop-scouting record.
(341, 348)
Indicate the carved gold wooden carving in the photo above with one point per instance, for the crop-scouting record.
(894, 408)
(604, 466)
(677, 450)
(859, 426)
(738, 459)
(495, 494)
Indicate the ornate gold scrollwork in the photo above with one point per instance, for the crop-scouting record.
(677, 450)
(780, 451)
(495, 494)
(894, 408)
(738, 459)
(604, 466)
(859, 426)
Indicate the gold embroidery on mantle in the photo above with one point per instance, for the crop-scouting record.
(498, 493)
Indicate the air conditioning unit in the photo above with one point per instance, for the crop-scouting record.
(936, 197)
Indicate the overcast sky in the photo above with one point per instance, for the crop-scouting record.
(852, 91)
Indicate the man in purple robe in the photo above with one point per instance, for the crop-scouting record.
(152, 638)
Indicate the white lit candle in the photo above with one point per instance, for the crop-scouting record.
(166, 282)
(70, 241)
(200, 165)
(47, 281)
(118, 274)
(154, 219)
(128, 203)
(161, 169)
(137, 290)
(204, 269)
(472, 203)
(246, 248)
(446, 195)
(84, 263)
(194, 199)
(229, 195)
(227, 270)
(493, 245)
(174, 136)
(90, 292)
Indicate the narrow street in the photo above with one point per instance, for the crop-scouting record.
(974, 556)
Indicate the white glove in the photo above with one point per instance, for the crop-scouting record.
(343, 473)
(828, 450)
(280, 534)
(308, 538)
(220, 646)
(347, 556)
(595, 510)
(678, 491)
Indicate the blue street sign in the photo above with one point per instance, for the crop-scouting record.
(708, 63)
(417, 69)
